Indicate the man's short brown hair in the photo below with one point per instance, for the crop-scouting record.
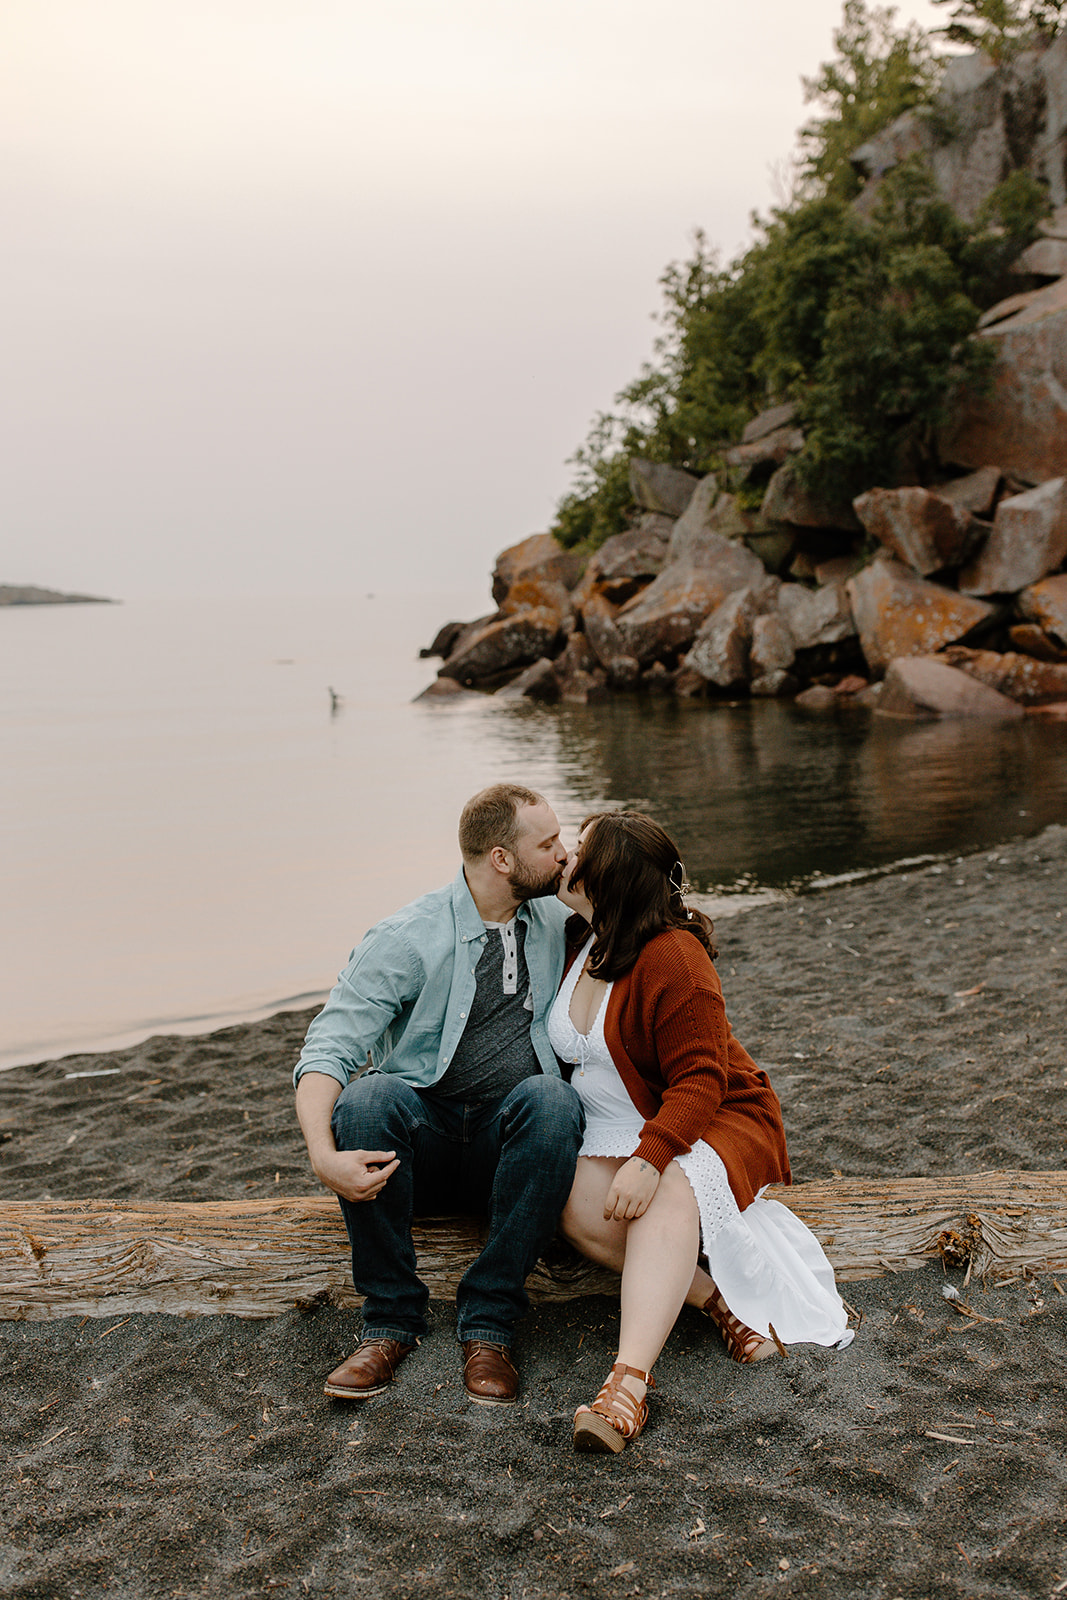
(491, 818)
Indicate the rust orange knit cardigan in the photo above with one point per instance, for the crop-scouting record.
(685, 1072)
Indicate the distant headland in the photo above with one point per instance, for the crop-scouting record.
(28, 594)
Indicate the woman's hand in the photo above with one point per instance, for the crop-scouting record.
(632, 1191)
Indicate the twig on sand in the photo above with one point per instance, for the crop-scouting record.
(852, 1312)
(53, 1436)
(112, 1328)
(975, 1316)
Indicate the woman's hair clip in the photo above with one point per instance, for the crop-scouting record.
(678, 880)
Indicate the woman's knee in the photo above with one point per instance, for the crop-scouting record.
(674, 1196)
(583, 1215)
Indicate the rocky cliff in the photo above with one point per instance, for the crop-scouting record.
(947, 598)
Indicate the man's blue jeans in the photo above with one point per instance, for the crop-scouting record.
(512, 1160)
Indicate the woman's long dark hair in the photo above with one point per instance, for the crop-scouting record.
(629, 869)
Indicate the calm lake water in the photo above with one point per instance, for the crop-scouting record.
(191, 837)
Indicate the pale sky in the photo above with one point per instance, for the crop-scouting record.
(318, 295)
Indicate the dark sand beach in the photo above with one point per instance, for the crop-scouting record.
(914, 1024)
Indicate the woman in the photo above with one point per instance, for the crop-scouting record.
(682, 1129)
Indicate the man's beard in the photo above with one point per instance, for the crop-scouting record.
(526, 885)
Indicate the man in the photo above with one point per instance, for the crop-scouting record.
(464, 1108)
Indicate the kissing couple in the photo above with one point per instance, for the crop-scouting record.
(543, 1042)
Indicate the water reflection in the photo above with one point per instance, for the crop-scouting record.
(760, 793)
(192, 835)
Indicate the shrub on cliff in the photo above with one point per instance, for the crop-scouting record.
(888, 340)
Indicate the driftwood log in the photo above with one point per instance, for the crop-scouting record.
(256, 1258)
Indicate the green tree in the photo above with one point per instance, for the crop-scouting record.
(695, 395)
(878, 73)
(1001, 27)
(866, 322)
(701, 389)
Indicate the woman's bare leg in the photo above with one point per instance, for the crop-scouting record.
(700, 1290)
(661, 1249)
(654, 1254)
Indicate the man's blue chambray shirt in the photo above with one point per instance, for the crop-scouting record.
(406, 993)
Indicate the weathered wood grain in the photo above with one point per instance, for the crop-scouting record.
(258, 1258)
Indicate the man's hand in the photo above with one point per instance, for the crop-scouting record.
(632, 1191)
(355, 1174)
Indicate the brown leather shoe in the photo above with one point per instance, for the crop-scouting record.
(370, 1369)
(489, 1374)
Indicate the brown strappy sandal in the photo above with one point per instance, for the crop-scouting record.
(743, 1343)
(615, 1416)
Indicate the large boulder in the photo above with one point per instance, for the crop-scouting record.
(445, 638)
(539, 556)
(768, 422)
(503, 645)
(446, 689)
(775, 447)
(1020, 677)
(976, 492)
(544, 594)
(787, 499)
(536, 682)
(922, 529)
(1046, 604)
(769, 685)
(773, 648)
(696, 522)
(1001, 118)
(1028, 541)
(456, 636)
(729, 518)
(581, 679)
(606, 642)
(1034, 641)
(657, 487)
(816, 616)
(720, 650)
(1020, 422)
(627, 561)
(1045, 258)
(898, 614)
(926, 686)
(836, 569)
(664, 618)
(714, 515)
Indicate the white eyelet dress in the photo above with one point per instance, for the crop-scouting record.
(768, 1267)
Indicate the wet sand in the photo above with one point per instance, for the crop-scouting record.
(913, 1024)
